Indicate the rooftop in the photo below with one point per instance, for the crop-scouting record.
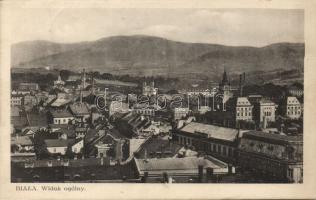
(61, 114)
(187, 163)
(211, 131)
(79, 108)
(243, 101)
(292, 100)
(259, 135)
(37, 119)
(58, 142)
(21, 140)
(266, 102)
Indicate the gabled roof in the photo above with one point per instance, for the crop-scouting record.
(243, 101)
(37, 119)
(21, 140)
(292, 100)
(79, 108)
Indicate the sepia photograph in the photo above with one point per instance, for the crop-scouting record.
(133, 95)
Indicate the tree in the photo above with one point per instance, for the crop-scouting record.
(64, 74)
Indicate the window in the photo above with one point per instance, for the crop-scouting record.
(219, 149)
(290, 173)
(214, 147)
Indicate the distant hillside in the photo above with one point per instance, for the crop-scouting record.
(147, 56)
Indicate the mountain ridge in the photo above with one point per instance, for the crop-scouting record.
(148, 55)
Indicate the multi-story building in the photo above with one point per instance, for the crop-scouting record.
(217, 141)
(273, 155)
(28, 86)
(293, 108)
(243, 109)
(16, 99)
(264, 111)
(61, 117)
(80, 111)
(149, 90)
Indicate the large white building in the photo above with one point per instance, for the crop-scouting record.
(293, 108)
(265, 111)
(243, 109)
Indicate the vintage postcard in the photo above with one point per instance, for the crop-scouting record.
(157, 99)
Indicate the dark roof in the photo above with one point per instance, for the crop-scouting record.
(61, 114)
(270, 137)
(19, 121)
(21, 140)
(37, 119)
(116, 134)
(58, 142)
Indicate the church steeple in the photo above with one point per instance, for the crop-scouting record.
(225, 78)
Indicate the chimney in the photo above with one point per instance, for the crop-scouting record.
(84, 78)
(92, 79)
(81, 96)
(200, 168)
(165, 177)
(230, 169)
(144, 179)
(240, 84)
(209, 173)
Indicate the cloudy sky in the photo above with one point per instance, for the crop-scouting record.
(250, 27)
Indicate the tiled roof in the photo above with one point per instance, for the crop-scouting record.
(211, 131)
(58, 142)
(79, 108)
(243, 101)
(292, 100)
(61, 114)
(15, 111)
(60, 102)
(266, 101)
(21, 140)
(37, 119)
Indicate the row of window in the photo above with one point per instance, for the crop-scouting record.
(293, 113)
(242, 114)
(208, 147)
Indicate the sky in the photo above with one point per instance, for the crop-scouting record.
(237, 27)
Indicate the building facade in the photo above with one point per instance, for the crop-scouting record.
(272, 155)
(243, 110)
(217, 141)
(293, 108)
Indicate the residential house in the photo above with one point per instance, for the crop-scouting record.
(16, 99)
(61, 117)
(80, 111)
